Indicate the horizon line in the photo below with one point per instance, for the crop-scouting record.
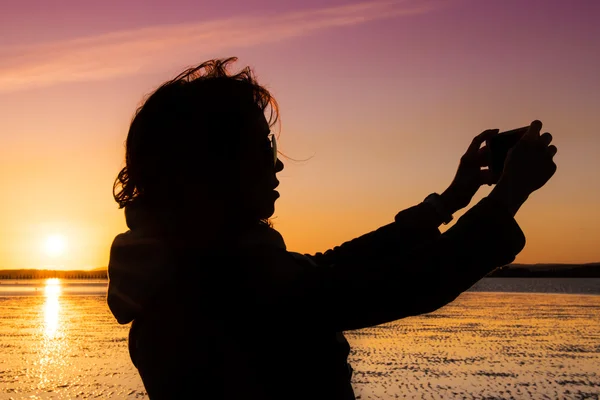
(100, 269)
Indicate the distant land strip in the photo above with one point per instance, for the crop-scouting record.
(100, 273)
(591, 270)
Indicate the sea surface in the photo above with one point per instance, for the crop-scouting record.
(506, 338)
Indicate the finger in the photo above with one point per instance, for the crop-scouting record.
(533, 132)
(486, 177)
(483, 157)
(479, 139)
(552, 150)
(546, 138)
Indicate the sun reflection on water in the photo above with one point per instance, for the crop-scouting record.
(52, 291)
(53, 344)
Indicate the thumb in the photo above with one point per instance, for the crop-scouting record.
(486, 177)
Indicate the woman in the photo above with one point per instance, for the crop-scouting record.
(220, 308)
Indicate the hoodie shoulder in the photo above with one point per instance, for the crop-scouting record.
(137, 267)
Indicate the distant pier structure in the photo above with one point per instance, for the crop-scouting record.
(44, 274)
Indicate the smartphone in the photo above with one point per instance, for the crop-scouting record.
(498, 147)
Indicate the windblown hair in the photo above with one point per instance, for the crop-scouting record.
(189, 120)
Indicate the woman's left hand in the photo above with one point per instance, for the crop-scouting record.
(470, 175)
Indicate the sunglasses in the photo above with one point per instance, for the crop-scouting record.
(273, 147)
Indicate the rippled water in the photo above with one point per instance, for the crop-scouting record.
(485, 346)
(59, 342)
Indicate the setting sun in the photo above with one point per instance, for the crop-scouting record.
(55, 245)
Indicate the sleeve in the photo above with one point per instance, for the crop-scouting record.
(358, 293)
(413, 228)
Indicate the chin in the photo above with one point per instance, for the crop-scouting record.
(266, 211)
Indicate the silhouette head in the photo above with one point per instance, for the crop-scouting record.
(201, 144)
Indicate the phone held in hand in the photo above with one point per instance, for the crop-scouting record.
(498, 147)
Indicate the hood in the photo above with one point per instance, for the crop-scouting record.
(142, 262)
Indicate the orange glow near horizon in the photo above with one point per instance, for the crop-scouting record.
(383, 121)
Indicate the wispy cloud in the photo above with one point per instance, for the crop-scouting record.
(123, 53)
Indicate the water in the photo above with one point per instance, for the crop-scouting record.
(59, 341)
(539, 285)
(40, 287)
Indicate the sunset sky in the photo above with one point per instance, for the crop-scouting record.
(383, 96)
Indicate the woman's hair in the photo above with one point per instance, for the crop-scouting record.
(190, 123)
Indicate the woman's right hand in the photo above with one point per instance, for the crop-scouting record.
(528, 166)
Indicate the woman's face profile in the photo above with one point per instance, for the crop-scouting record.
(258, 168)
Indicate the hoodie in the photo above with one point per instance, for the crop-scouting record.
(282, 336)
(142, 261)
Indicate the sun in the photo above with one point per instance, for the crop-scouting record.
(55, 245)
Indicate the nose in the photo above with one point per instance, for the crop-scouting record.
(279, 166)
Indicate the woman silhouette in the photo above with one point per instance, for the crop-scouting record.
(220, 308)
